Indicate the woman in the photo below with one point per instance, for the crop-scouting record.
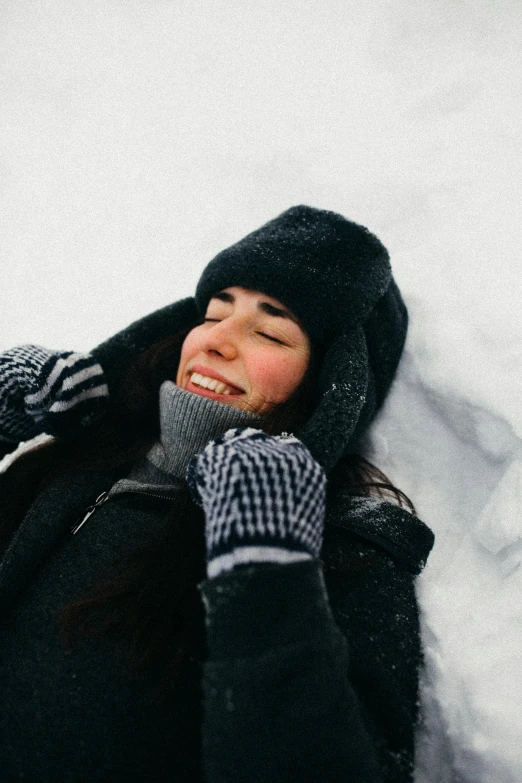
(184, 596)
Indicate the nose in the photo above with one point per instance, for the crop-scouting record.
(222, 340)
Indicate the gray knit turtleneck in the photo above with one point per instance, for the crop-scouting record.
(187, 423)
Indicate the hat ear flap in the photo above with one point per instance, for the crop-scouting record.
(365, 417)
(343, 387)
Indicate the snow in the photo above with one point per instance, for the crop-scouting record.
(140, 137)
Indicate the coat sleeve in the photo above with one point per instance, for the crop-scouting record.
(373, 601)
(313, 668)
(279, 701)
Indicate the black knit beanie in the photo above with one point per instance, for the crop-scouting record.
(335, 276)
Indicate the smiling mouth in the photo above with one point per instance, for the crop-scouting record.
(213, 385)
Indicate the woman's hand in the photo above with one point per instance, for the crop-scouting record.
(48, 391)
(263, 497)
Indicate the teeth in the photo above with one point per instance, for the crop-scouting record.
(210, 383)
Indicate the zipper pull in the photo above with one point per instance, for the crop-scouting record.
(89, 512)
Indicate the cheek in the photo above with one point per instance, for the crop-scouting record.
(275, 379)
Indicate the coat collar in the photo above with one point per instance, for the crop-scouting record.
(392, 528)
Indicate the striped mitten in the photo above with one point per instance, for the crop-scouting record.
(54, 392)
(263, 497)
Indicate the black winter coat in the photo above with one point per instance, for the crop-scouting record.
(311, 672)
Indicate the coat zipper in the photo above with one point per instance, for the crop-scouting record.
(89, 511)
(100, 500)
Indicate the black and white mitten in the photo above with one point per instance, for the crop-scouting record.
(54, 392)
(263, 497)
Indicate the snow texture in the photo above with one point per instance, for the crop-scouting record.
(140, 137)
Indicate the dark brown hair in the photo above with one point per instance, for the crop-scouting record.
(152, 597)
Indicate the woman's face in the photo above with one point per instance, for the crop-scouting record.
(250, 352)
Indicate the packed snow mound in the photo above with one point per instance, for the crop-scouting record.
(466, 439)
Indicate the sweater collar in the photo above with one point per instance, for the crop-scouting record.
(187, 423)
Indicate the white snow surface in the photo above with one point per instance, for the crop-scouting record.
(139, 138)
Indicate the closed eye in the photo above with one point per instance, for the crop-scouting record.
(269, 337)
(262, 334)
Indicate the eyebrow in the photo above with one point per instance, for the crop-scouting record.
(264, 307)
